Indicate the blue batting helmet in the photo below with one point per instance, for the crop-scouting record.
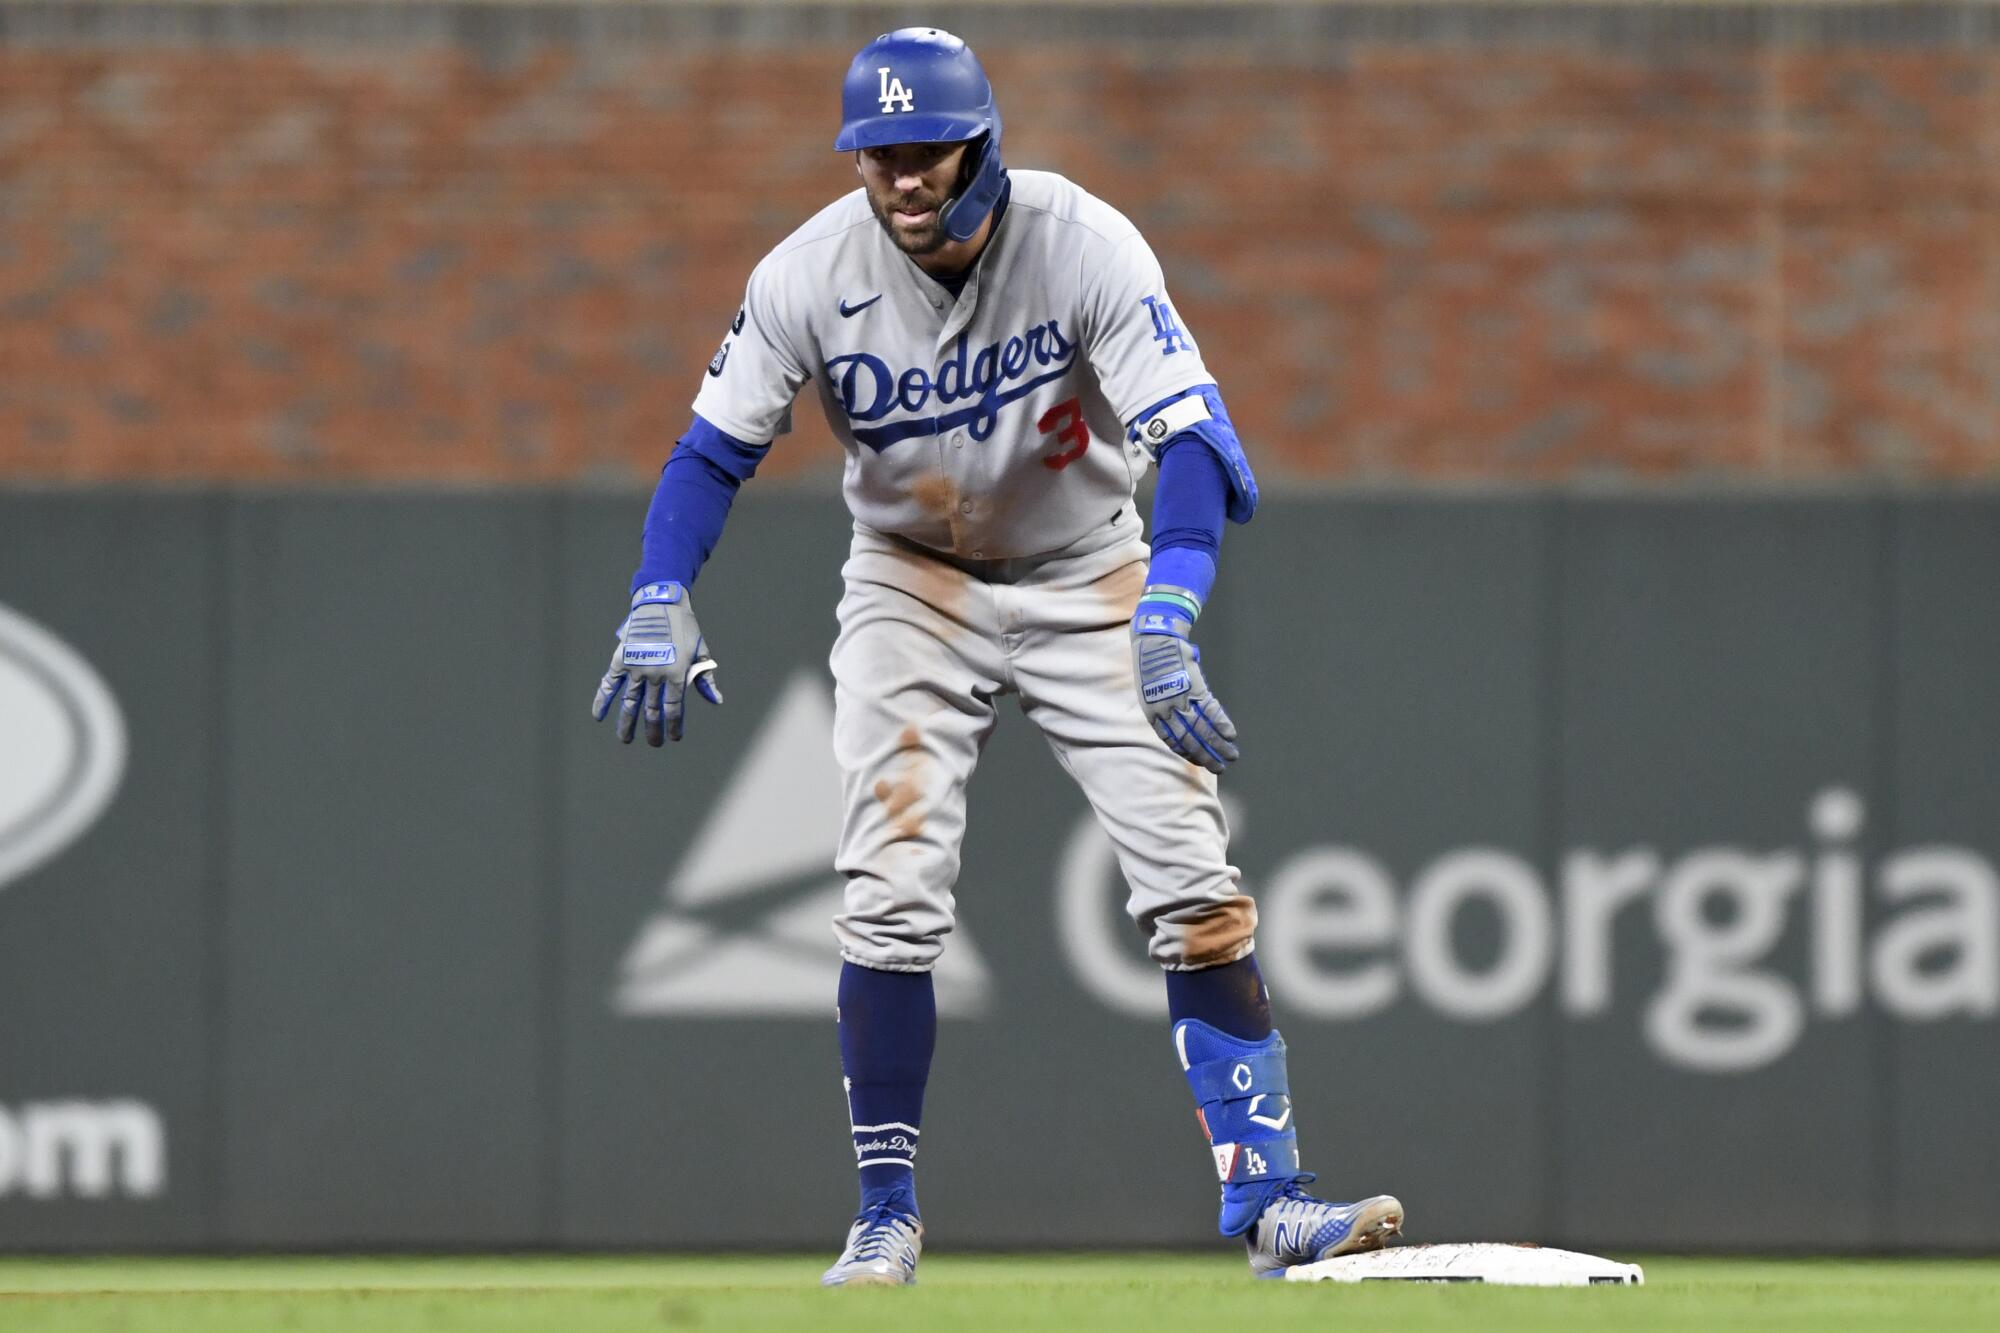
(923, 85)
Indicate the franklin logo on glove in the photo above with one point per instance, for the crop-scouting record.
(647, 675)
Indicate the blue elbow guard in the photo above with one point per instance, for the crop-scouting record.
(1244, 1100)
(1199, 413)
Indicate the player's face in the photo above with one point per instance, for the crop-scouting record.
(908, 184)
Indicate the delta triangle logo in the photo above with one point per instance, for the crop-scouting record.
(744, 930)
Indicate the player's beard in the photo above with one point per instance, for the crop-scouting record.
(924, 240)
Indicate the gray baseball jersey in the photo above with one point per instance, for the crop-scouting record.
(993, 425)
(990, 428)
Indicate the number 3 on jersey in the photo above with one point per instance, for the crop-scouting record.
(1065, 422)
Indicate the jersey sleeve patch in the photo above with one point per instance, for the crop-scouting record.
(754, 375)
(1167, 330)
(1138, 346)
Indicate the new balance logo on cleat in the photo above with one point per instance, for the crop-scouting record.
(1296, 1228)
(745, 926)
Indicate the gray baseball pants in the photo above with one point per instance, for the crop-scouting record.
(928, 644)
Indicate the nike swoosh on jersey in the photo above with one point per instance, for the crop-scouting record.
(850, 311)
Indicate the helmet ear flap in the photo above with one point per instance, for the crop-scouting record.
(968, 166)
(981, 179)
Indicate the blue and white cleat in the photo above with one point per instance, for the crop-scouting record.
(1295, 1228)
(882, 1250)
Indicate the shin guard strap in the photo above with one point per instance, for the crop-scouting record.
(1238, 1076)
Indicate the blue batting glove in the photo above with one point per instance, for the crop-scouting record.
(660, 654)
(1167, 666)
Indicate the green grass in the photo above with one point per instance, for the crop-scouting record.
(1089, 1293)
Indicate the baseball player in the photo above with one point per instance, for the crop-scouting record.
(998, 355)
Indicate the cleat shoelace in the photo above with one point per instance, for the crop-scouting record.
(886, 1235)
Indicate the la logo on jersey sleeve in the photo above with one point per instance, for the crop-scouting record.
(1167, 330)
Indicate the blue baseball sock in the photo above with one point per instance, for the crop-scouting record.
(888, 1029)
(1231, 997)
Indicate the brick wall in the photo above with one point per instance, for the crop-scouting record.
(407, 250)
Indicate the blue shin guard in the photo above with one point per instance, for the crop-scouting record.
(1245, 1106)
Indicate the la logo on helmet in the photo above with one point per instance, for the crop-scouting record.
(893, 92)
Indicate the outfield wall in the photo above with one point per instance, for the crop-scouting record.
(401, 242)
(1626, 867)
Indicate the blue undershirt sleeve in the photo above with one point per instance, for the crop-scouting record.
(692, 501)
(1188, 508)
(1204, 480)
